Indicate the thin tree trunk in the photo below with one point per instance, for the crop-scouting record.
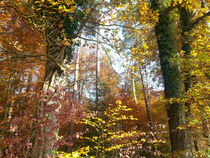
(134, 90)
(82, 89)
(179, 138)
(76, 85)
(97, 71)
(6, 115)
(146, 101)
(76, 95)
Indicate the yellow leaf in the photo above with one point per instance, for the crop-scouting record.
(119, 102)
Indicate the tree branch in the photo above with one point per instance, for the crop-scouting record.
(19, 55)
(198, 20)
(86, 19)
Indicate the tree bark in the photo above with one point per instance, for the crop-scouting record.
(179, 138)
(187, 25)
(46, 136)
(186, 21)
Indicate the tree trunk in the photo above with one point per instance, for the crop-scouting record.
(146, 101)
(97, 71)
(134, 90)
(179, 138)
(76, 78)
(46, 136)
(186, 25)
(186, 19)
(76, 95)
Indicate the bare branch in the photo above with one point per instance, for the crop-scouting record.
(198, 20)
(19, 55)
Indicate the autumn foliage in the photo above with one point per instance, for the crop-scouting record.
(102, 78)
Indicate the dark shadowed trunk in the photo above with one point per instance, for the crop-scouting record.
(170, 69)
(186, 20)
(179, 138)
(187, 24)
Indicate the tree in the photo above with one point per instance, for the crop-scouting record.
(108, 137)
(57, 16)
(172, 82)
(58, 24)
(189, 22)
(165, 27)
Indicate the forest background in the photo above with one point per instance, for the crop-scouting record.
(61, 96)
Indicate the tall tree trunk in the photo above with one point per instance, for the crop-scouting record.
(46, 136)
(186, 25)
(186, 21)
(179, 138)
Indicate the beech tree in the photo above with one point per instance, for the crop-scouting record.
(160, 15)
(172, 80)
